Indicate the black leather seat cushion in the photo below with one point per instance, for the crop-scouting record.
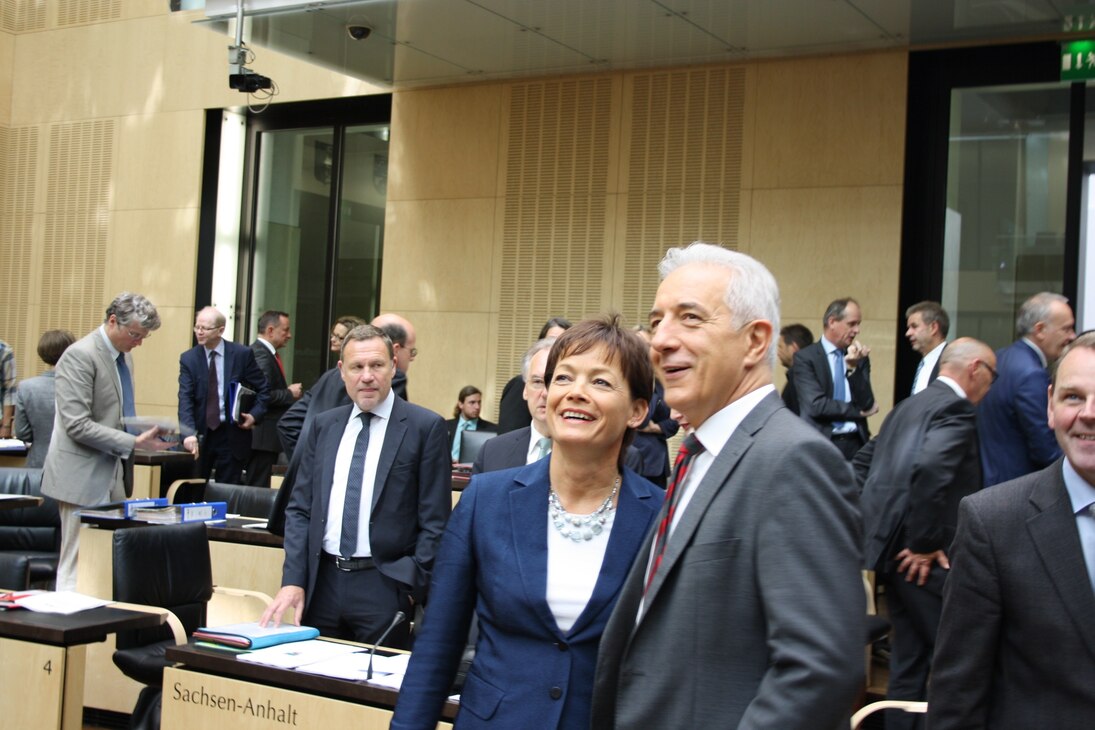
(144, 664)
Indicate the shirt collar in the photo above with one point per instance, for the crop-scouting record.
(114, 351)
(1037, 351)
(383, 409)
(953, 386)
(219, 349)
(716, 430)
(830, 348)
(1080, 493)
(461, 420)
(273, 350)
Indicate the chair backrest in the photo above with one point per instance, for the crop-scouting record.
(904, 705)
(30, 528)
(166, 566)
(241, 499)
(471, 442)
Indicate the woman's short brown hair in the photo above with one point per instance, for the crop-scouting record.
(52, 344)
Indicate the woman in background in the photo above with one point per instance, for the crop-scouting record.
(34, 400)
(538, 553)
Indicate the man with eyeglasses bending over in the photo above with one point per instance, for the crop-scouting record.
(207, 375)
(87, 460)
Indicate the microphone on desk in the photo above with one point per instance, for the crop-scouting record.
(399, 618)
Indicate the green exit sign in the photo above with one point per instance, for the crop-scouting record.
(1078, 60)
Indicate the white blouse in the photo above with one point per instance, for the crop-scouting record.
(573, 569)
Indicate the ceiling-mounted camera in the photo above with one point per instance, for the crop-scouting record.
(359, 32)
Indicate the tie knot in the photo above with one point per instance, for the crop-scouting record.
(365, 417)
(691, 445)
(121, 358)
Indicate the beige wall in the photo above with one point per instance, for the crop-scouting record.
(816, 195)
(115, 108)
(507, 202)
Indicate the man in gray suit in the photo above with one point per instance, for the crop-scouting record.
(94, 386)
(744, 607)
(1016, 643)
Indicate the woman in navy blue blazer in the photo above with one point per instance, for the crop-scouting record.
(539, 553)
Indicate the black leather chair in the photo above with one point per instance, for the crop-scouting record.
(168, 567)
(242, 500)
(31, 532)
(14, 571)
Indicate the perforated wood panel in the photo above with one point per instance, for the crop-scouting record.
(76, 12)
(683, 172)
(22, 15)
(18, 152)
(555, 210)
(77, 225)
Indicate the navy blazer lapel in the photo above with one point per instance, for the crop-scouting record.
(634, 513)
(717, 477)
(528, 521)
(1053, 531)
(393, 438)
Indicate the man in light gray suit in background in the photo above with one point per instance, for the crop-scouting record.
(94, 387)
(745, 606)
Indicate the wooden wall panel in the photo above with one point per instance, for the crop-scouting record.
(18, 183)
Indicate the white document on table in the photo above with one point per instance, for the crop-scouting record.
(63, 602)
(297, 653)
(355, 667)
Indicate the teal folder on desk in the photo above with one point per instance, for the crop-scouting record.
(252, 636)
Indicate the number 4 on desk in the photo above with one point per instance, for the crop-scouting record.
(48, 667)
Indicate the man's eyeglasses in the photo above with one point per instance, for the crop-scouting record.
(536, 384)
(136, 336)
(991, 369)
(202, 330)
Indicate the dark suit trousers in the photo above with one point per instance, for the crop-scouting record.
(914, 614)
(216, 453)
(261, 466)
(358, 606)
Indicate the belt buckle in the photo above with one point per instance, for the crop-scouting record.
(339, 564)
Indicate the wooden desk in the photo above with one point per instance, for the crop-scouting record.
(241, 558)
(213, 690)
(19, 501)
(14, 458)
(42, 672)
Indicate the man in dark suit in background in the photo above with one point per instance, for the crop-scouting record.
(1016, 644)
(274, 334)
(792, 338)
(404, 343)
(207, 373)
(1012, 419)
(833, 380)
(744, 608)
(927, 325)
(371, 500)
(533, 442)
(924, 461)
(469, 402)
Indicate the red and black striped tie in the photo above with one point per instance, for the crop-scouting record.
(687, 452)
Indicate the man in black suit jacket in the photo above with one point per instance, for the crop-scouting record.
(842, 420)
(370, 503)
(924, 461)
(1016, 645)
(792, 338)
(927, 325)
(520, 447)
(274, 333)
(224, 443)
(469, 403)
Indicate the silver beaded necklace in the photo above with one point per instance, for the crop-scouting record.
(581, 528)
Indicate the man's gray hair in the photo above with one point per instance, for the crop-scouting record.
(751, 293)
(1035, 310)
(129, 308)
(526, 361)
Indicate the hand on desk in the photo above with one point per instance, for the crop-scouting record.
(288, 597)
(190, 443)
(150, 440)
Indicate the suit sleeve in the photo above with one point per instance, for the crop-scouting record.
(298, 514)
(811, 546)
(1031, 400)
(186, 394)
(969, 631)
(253, 377)
(810, 375)
(860, 384)
(22, 427)
(279, 397)
(440, 645)
(291, 423)
(75, 392)
(946, 443)
(434, 503)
